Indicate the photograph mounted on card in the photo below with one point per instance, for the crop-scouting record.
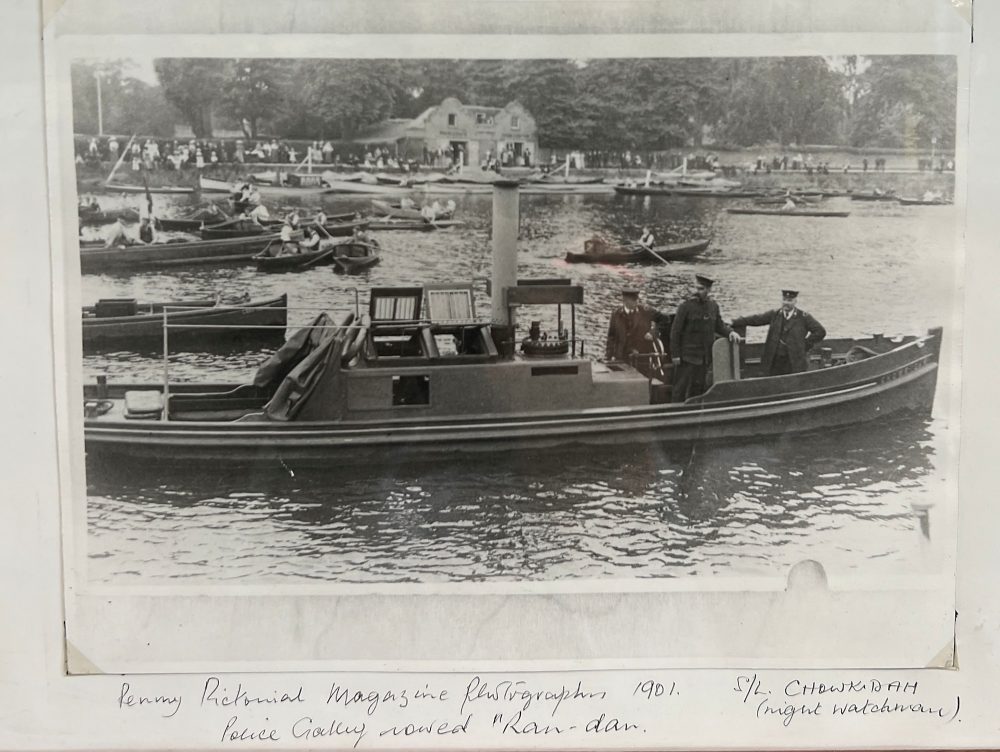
(583, 352)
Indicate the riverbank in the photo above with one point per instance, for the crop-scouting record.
(904, 182)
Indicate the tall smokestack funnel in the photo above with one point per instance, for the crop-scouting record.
(506, 220)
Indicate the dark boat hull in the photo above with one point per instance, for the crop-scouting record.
(93, 219)
(393, 211)
(333, 229)
(180, 225)
(900, 382)
(349, 265)
(97, 259)
(292, 262)
(921, 202)
(674, 252)
(170, 189)
(795, 213)
(238, 322)
(871, 197)
(420, 225)
(685, 192)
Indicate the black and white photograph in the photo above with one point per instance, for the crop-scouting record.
(613, 322)
(565, 374)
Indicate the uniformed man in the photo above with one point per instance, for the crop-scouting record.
(628, 328)
(692, 335)
(791, 334)
(633, 335)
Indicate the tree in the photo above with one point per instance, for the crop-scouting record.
(784, 101)
(193, 86)
(348, 95)
(907, 100)
(128, 105)
(254, 91)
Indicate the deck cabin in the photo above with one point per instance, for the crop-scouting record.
(423, 353)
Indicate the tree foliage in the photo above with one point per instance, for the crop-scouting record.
(128, 105)
(784, 101)
(253, 91)
(193, 86)
(906, 101)
(639, 104)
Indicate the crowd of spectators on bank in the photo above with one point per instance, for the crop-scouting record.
(183, 154)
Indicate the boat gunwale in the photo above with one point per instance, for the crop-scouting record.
(183, 312)
(914, 369)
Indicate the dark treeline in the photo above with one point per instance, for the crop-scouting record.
(596, 105)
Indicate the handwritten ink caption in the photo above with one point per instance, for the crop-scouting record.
(788, 701)
(503, 707)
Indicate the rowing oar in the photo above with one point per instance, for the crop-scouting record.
(263, 251)
(652, 253)
(320, 257)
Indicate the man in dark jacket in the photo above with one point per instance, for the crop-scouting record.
(791, 334)
(630, 333)
(628, 328)
(696, 324)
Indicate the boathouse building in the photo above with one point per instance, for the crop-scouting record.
(455, 130)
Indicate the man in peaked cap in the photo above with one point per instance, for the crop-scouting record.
(696, 324)
(629, 331)
(791, 334)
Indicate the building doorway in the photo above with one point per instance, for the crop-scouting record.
(459, 152)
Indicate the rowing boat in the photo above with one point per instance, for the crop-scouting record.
(873, 197)
(91, 218)
(167, 189)
(353, 257)
(653, 190)
(193, 221)
(922, 202)
(396, 211)
(344, 255)
(95, 258)
(414, 225)
(599, 253)
(790, 213)
(125, 321)
(210, 185)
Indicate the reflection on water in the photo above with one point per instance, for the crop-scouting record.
(752, 508)
(645, 511)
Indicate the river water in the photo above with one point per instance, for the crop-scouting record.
(845, 498)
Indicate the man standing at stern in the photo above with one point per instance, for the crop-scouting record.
(628, 328)
(791, 334)
(697, 322)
